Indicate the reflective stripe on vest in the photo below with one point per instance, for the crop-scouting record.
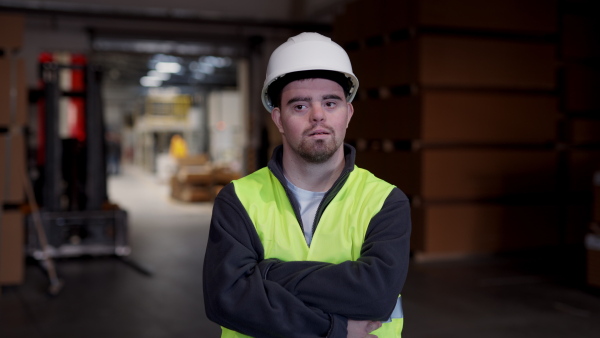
(344, 222)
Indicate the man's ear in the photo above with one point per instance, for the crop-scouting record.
(350, 113)
(276, 117)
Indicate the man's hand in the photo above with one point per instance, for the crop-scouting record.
(362, 328)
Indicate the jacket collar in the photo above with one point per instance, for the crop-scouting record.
(276, 162)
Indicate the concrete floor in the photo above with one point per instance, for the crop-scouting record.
(535, 294)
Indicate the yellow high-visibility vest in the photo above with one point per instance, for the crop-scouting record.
(344, 222)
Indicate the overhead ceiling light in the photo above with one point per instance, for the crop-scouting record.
(216, 61)
(168, 67)
(159, 75)
(201, 67)
(148, 81)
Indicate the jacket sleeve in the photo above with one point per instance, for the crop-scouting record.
(236, 296)
(365, 289)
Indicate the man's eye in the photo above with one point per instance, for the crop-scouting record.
(299, 107)
(330, 104)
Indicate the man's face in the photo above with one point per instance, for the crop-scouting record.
(313, 118)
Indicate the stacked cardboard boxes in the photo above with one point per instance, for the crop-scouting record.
(580, 108)
(193, 179)
(593, 238)
(458, 108)
(593, 267)
(196, 179)
(13, 119)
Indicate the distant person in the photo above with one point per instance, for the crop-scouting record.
(178, 147)
(311, 245)
(113, 153)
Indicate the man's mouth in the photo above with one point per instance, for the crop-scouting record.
(319, 132)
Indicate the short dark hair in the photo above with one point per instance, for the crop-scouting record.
(275, 88)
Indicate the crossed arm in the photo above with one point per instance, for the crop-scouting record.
(271, 298)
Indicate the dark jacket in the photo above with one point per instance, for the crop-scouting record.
(270, 298)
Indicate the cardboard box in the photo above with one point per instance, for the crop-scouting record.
(400, 168)
(456, 116)
(369, 19)
(444, 174)
(493, 15)
(472, 228)
(13, 110)
(461, 62)
(461, 117)
(190, 192)
(473, 173)
(458, 62)
(582, 84)
(576, 221)
(402, 118)
(12, 242)
(11, 31)
(593, 268)
(398, 15)
(580, 37)
(193, 160)
(596, 206)
(583, 131)
(400, 63)
(367, 66)
(345, 28)
(223, 176)
(369, 120)
(582, 164)
(12, 168)
(198, 175)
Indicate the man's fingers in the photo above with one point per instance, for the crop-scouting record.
(372, 326)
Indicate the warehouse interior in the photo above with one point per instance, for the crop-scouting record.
(119, 123)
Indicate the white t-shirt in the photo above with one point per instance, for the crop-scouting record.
(309, 203)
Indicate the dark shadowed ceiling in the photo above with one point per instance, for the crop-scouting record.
(126, 34)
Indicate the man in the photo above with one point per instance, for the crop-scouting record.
(311, 245)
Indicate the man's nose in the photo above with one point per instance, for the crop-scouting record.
(317, 113)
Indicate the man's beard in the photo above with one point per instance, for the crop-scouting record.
(318, 151)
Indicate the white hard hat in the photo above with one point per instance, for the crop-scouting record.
(308, 52)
